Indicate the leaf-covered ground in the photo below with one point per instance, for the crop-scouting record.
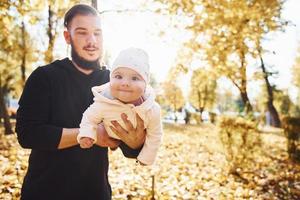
(190, 165)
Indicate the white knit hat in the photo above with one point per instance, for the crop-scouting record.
(135, 59)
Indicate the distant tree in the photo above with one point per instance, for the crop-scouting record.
(296, 75)
(173, 97)
(296, 70)
(283, 102)
(203, 90)
(17, 50)
(225, 33)
(275, 120)
(56, 10)
(6, 76)
(161, 100)
(225, 100)
(26, 47)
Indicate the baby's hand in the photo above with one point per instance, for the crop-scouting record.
(86, 142)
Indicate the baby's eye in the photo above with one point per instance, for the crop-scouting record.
(118, 76)
(135, 78)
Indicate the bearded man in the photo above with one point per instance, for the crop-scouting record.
(49, 114)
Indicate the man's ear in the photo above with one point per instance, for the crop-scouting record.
(67, 37)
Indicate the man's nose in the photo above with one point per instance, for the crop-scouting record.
(91, 38)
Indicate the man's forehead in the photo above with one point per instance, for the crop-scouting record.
(86, 21)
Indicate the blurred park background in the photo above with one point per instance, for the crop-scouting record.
(226, 74)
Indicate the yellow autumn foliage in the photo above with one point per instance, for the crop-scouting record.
(191, 164)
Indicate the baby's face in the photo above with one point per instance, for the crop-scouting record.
(127, 85)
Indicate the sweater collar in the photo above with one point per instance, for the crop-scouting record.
(67, 64)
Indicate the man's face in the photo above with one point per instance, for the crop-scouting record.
(127, 85)
(85, 36)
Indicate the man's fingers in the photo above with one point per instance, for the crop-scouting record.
(118, 128)
(127, 123)
(116, 132)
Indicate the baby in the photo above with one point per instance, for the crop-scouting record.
(127, 92)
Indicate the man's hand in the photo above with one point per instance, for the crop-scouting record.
(103, 139)
(134, 137)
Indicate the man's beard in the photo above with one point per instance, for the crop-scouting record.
(83, 63)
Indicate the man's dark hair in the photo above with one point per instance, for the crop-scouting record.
(79, 9)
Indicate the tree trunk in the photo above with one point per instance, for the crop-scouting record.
(275, 120)
(23, 63)
(187, 117)
(3, 110)
(241, 83)
(201, 111)
(247, 106)
(243, 88)
(51, 36)
(200, 107)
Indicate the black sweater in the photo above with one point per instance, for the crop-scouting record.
(54, 97)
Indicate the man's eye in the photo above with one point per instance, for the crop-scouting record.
(118, 76)
(81, 33)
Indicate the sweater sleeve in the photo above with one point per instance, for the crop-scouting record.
(128, 152)
(153, 138)
(32, 126)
